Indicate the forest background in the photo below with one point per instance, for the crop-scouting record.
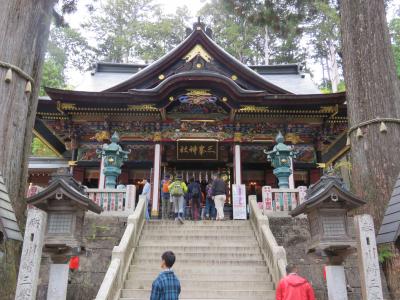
(306, 32)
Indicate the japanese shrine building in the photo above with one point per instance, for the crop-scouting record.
(195, 111)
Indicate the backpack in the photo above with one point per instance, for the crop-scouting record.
(165, 186)
(176, 189)
(196, 191)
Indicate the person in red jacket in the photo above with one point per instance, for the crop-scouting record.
(294, 287)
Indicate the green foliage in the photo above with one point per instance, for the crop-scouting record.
(394, 28)
(161, 34)
(135, 29)
(384, 254)
(234, 33)
(52, 76)
(66, 49)
(326, 87)
(282, 19)
(39, 149)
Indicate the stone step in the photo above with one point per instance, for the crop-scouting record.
(243, 276)
(199, 231)
(264, 294)
(212, 285)
(197, 224)
(200, 249)
(203, 236)
(167, 244)
(209, 262)
(189, 269)
(143, 254)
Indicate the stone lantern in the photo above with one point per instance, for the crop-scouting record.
(60, 237)
(65, 203)
(113, 157)
(326, 206)
(280, 158)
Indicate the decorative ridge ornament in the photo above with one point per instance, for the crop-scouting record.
(198, 50)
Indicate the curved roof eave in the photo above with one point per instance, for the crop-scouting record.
(196, 37)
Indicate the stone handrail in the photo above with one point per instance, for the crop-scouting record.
(122, 254)
(274, 255)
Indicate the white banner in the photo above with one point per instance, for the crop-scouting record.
(239, 201)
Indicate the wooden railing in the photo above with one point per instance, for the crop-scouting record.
(274, 255)
(274, 200)
(114, 200)
(122, 254)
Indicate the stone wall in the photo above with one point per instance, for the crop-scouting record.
(293, 234)
(100, 234)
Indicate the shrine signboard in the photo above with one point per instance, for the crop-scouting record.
(197, 150)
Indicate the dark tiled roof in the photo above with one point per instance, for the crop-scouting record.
(8, 221)
(390, 229)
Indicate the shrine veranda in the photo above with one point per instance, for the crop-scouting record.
(195, 111)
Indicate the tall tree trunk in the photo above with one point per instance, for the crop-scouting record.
(24, 29)
(266, 46)
(334, 71)
(372, 91)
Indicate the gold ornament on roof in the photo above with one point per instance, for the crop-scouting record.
(157, 136)
(234, 77)
(199, 92)
(293, 138)
(237, 137)
(198, 50)
(66, 106)
(143, 107)
(253, 108)
(161, 76)
(101, 136)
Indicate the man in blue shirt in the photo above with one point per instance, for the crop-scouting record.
(167, 285)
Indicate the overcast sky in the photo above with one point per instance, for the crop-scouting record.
(170, 6)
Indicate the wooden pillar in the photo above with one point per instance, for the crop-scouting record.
(156, 180)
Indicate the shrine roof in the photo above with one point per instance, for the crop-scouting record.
(390, 229)
(68, 187)
(287, 76)
(8, 222)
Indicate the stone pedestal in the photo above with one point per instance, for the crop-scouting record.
(28, 275)
(58, 282)
(336, 282)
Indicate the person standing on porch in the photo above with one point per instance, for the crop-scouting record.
(219, 194)
(195, 197)
(165, 197)
(177, 190)
(147, 192)
(210, 205)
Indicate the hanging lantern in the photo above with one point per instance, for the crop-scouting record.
(383, 127)
(359, 133)
(8, 76)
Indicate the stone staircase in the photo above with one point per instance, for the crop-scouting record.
(215, 260)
